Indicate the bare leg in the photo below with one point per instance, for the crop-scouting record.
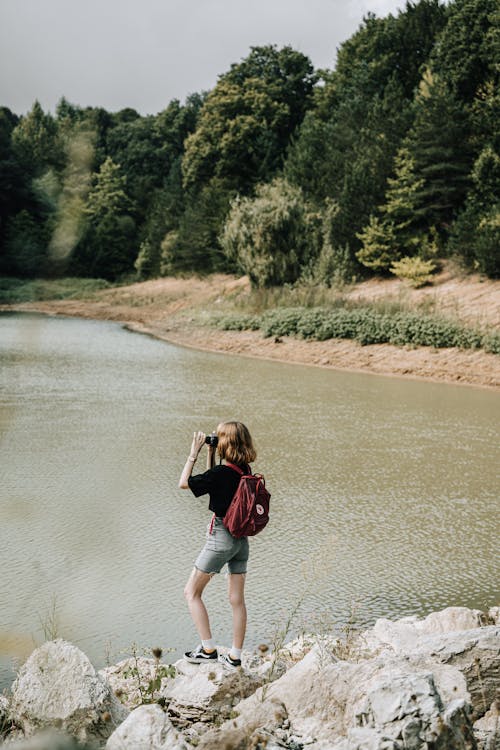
(237, 600)
(193, 591)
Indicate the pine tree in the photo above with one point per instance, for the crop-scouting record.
(439, 146)
(393, 234)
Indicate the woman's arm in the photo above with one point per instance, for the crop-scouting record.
(196, 446)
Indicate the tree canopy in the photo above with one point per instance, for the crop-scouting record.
(280, 170)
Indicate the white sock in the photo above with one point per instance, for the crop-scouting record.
(235, 653)
(208, 644)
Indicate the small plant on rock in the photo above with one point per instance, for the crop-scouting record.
(148, 682)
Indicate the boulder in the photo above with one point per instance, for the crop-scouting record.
(403, 634)
(59, 687)
(146, 728)
(389, 702)
(203, 692)
(474, 653)
(440, 639)
(487, 729)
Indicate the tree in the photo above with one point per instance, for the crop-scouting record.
(108, 248)
(25, 246)
(194, 245)
(267, 235)
(467, 54)
(395, 232)
(395, 46)
(378, 249)
(475, 236)
(247, 120)
(13, 188)
(148, 148)
(36, 143)
(147, 263)
(439, 146)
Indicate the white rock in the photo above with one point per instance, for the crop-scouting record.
(397, 701)
(207, 690)
(487, 729)
(58, 686)
(130, 679)
(366, 738)
(146, 728)
(475, 653)
(403, 634)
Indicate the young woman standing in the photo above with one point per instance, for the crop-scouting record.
(220, 482)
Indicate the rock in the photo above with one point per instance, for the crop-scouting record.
(201, 692)
(146, 728)
(408, 710)
(487, 729)
(49, 740)
(58, 687)
(4, 710)
(366, 738)
(396, 704)
(494, 616)
(404, 633)
(131, 679)
(474, 653)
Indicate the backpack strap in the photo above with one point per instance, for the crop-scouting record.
(236, 468)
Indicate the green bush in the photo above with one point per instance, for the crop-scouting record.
(415, 270)
(491, 342)
(238, 323)
(367, 326)
(267, 236)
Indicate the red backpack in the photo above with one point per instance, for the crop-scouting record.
(248, 512)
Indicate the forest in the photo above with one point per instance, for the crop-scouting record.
(385, 164)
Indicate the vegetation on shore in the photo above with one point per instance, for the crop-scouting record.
(305, 311)
(15, 291)
(365, 325)
(380, 166)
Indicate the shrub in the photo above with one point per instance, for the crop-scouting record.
(367, 326)
(238, 323)
(416, 271)
(267, 235)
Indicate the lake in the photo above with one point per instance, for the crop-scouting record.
(384, 491)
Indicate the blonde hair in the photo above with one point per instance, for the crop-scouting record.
(235, 443)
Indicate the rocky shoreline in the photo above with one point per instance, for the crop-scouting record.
(409, 684)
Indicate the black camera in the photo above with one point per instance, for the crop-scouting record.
(212, 440)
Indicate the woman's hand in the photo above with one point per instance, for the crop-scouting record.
(197, 444)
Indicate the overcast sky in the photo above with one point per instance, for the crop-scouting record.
(143, 53)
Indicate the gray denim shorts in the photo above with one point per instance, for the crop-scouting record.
(221, 548)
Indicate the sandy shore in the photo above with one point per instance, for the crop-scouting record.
(171, 309)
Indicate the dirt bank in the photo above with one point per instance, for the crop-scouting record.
(174, 310)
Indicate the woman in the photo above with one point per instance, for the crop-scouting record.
(234, 444)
